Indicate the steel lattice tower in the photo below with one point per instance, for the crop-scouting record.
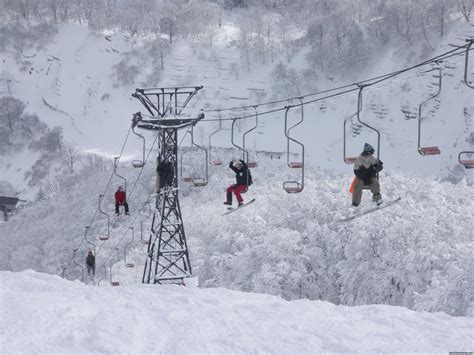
(167, 257)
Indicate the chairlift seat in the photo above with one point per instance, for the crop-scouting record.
(295, 164)
(252, 164)
(293, 189)
(216, 162)
(429, 150)
(103, 237)
(130, 265)
(187, 178)
(199, 182)
(137, 164)
(115, 283)
(468, 164)
(350, 160)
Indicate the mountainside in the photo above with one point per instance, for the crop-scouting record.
(82, 82)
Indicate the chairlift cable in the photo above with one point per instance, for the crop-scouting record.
(105, 191)
(439, 57)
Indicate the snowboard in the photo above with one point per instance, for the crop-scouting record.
(232, 209)
(370, 210)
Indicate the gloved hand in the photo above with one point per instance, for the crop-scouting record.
(378, 167)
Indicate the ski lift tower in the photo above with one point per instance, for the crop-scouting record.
(168, 257)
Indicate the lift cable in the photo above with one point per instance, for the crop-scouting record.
(136, 181)
(337, 94)
(370, 81)
(105, 191)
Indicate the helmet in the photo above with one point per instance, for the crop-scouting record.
(120, 188)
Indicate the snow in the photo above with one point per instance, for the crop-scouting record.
(46, 314)
(417, 254)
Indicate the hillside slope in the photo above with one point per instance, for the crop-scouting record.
(82, 82)
(42, 313)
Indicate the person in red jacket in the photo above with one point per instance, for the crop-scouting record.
(120, 200)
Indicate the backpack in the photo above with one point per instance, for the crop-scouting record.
(249, 178)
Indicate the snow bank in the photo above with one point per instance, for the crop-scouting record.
(45, 314)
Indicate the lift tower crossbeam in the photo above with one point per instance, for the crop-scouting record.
(167, 257)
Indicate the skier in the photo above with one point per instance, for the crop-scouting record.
(120, 200)
(90, 263)
(366, 168)
(243, 179)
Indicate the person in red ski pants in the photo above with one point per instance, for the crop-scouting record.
(243, 180)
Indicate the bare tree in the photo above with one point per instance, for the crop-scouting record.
(70, 154)
(465, 7)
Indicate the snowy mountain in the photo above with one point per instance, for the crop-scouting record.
(82, 82)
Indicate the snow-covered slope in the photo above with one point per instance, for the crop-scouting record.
(46, 314)
(73, 82)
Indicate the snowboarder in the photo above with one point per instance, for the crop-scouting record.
(366, 168)
(90, 263)
(120, 200)
(243, 179)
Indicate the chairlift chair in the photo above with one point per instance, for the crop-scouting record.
(359, 110)
(467, 163)
(143, 241)
(114, 283)
(466, 63)
(139, 163)
(293, 186)
(128, 264)
(197, 181)
(217, 161)
(104, 237)
(74, 252)
(105, 274)
(250, 163)
(116, 159)
(200, 181)
(88, 241)
(244, 152)
(431, 150)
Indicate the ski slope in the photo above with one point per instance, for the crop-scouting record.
(45, 314)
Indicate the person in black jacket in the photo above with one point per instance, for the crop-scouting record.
(165, 174)
(366, 168)
(243, 179)
(90, 263)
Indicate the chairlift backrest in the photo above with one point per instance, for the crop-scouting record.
(251, 164)
(139, 163)
(347, 159)
(104, 237)
(433, 150)
(466, 63)
(116, 159)
(294, 186)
